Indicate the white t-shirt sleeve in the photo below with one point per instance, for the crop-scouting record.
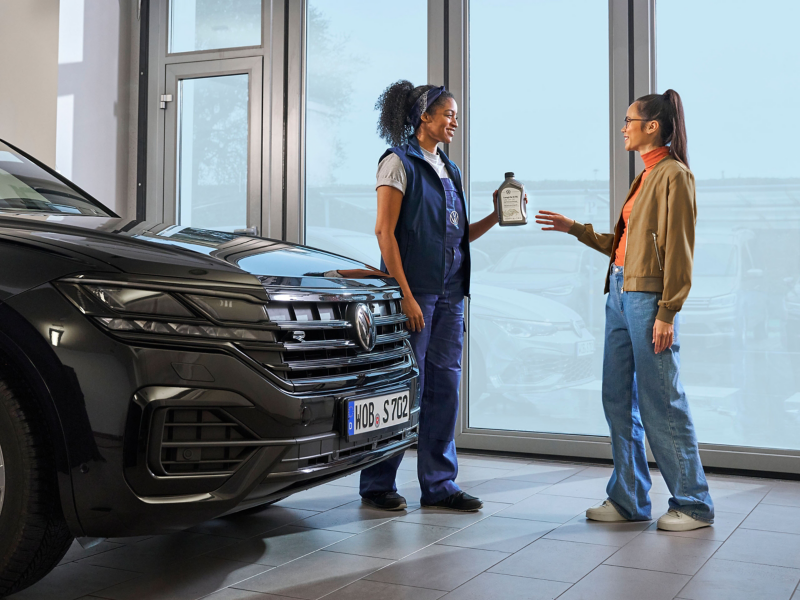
(391, 172)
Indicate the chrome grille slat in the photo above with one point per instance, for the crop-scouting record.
(325, 363)
(391, 319)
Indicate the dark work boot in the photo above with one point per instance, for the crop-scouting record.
(385, 501)
(460, 501)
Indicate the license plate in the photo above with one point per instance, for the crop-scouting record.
(585, 348)
(373, 414)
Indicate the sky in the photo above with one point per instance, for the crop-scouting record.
(539, 85)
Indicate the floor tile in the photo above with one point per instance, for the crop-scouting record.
(666, 553)
(579, 486)
(320, 498)
(507, 587)
(394, 540)
(762, 547)
(619, 583)
(411, 492)
(598, 471)
(554, 560)
(469, 477)
(737, 501)
(350, 518)
(372, 590)
(502, 535)
(189, 580)
(784, 493)
(724, 525)
(506, 490)
(451, 518)
(253, 522)
(281, 545)
(314, 575)
(582, 530)
(555, 509)
(235, 594)
(491, 462)
(76, 551)
(773, 517)
(728, 580)
(439, 567)
(544, 472)
(745, 484)
(73, 580)
(157, 553)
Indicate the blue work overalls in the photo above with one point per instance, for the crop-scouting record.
(439, 282)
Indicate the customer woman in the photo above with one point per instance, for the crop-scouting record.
(649, 277)
(424, 238)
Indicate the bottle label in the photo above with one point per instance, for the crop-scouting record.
(511, 204)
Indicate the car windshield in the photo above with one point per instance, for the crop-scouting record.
(539, 260)
(715, 260)
(27, 188)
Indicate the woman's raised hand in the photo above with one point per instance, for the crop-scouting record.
(553, 221)
(410, 308)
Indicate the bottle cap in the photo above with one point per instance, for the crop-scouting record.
(509, 174)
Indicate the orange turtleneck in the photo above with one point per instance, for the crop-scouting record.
(651, 159)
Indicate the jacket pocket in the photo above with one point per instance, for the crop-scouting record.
(658, 256)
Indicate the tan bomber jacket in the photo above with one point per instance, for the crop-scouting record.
(660, 242)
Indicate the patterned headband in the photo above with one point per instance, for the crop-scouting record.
(427, 98)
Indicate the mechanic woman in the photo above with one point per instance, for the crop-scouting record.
(424, 239)
(649, 277)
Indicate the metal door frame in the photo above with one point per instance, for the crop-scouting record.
(176, 72)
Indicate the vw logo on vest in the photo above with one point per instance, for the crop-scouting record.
(362, 322)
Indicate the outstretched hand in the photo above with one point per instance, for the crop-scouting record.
(553, 221)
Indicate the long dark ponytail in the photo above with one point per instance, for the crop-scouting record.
(667, 109)
(395, 104)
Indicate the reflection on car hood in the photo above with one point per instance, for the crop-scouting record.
(710, 287)
(144, 248)
(489, 301)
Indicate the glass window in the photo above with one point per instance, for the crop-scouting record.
(538, 107)
(740, 326)
(212, 152)
(350, 61)
(212, 24)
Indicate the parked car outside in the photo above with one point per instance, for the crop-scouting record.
(153, 377)
(725, 304)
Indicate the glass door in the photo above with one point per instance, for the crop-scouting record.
(212, 175)
(539, 107)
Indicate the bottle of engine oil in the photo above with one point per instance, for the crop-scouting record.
(511, 209)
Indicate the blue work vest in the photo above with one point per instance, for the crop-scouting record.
(421, 230)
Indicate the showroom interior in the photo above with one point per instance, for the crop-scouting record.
(257, 118)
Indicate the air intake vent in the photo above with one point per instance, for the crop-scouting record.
(201, 442)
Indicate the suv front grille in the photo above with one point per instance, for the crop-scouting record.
(315, 344)
(202, 441)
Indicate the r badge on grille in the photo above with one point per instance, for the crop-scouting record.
(362, 323)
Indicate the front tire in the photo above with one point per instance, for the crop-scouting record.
(34, 536)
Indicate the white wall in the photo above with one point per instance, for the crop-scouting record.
(29, 75)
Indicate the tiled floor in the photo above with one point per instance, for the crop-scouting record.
(529, 542)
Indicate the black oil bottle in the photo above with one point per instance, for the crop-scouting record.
(511, 209)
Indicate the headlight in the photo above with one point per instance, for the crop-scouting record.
(722, 301)
(143, 311)
(526, 329)
(563, 290)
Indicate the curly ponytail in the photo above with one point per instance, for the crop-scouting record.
(667, 109)
(395, 104)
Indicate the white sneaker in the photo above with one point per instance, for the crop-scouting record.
(677, 521)
(604, 512)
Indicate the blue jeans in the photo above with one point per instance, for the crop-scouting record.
(438, 350)
(642, 393)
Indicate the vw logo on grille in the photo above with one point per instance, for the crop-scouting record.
(363, 323)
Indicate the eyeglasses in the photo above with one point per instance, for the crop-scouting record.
(628, 121)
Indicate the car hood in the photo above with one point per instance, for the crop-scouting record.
(150, 249)
(490, 301)
(711, 287)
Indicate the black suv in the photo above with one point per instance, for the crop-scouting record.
(153, 377)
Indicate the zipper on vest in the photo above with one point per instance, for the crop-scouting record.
(658, 256)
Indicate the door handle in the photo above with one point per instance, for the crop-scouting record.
(247, 230)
